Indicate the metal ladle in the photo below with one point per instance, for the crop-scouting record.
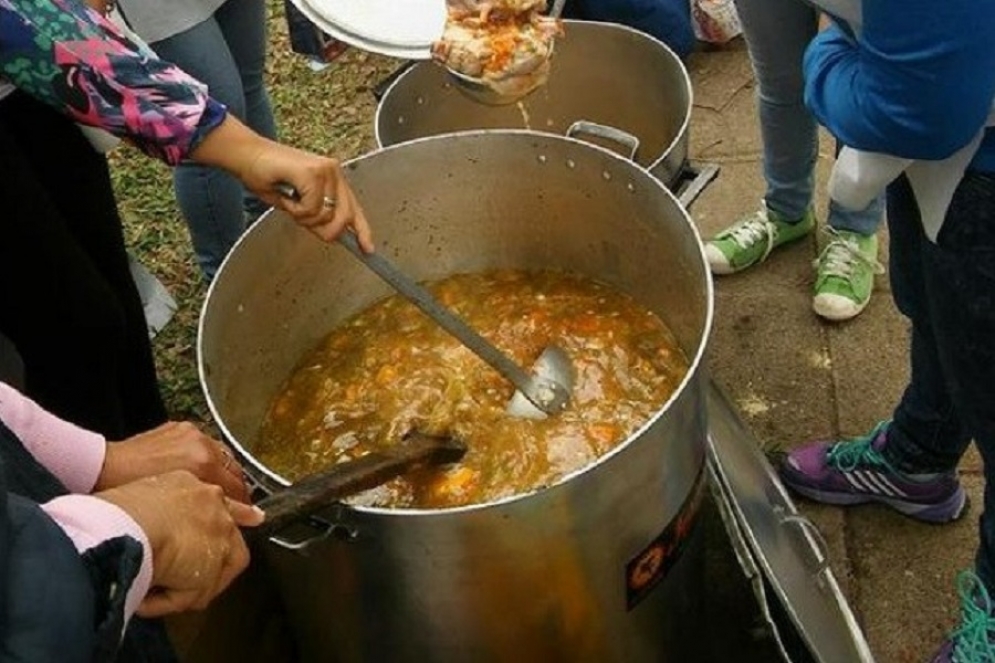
(546, 391)
(479, 90)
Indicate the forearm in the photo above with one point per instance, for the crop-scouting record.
(88, 69)
(231, 146)
(72, 454)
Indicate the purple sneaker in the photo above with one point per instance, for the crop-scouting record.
(972, 641)
(855, 472)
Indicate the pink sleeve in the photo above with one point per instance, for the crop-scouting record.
(72, 454)
(89, 521)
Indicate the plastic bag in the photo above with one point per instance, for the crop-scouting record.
(715, 21)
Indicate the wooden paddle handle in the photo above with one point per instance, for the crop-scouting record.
(310, 494)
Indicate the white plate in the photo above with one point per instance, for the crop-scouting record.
(395, 23)
(336, 31)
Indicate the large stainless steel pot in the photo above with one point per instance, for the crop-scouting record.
(609, 84)
(603, 566)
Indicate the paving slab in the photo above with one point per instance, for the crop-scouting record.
(905, 573)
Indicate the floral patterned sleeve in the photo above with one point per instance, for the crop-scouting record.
(70, 57)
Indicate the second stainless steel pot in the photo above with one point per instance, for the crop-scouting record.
(609, 84)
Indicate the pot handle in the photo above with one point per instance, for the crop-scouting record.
(585, 127)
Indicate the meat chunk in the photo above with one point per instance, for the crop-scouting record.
(500, 48)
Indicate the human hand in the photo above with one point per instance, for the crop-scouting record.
(192, 528)
(173, 446)
(327, 204)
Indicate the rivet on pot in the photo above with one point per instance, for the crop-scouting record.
(400, 119)
(542, 158)
(631, 187)
(606, 175)
(571, 164)
(420, 101)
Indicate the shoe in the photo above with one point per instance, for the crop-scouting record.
(971, 642)
(751, 239)
(854, 472)
(845, 274)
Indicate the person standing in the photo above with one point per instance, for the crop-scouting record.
(884, 89)
(776, 33)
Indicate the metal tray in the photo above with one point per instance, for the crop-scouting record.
(392, 38)
(780, 551)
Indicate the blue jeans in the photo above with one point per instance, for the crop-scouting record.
(228, 53)
(947, 290)
(777, 33)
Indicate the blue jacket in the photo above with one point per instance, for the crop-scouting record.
(917, 83)
(667, 20)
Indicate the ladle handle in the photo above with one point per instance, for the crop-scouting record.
(547, 395)
(310, 494)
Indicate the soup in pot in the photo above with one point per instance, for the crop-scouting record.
(389, 370)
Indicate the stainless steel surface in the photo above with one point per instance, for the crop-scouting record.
(603, 73)
(553, 365)
(541, 576)
(779, 542)
(582, 128)
(701, 175)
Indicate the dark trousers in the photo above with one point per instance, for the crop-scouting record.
(947, 290)
(67, 299)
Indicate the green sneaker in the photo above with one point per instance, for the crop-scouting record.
(845, 274)
(751, 239)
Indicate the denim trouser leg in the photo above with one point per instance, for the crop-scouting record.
(947, 290)
(243, 24)
(777, 33)
(227, 52)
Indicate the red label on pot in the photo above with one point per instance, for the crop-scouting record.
(650, 566)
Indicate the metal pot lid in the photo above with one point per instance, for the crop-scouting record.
(396, 28)
(784, 545)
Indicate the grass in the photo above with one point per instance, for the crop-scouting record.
(330, 112)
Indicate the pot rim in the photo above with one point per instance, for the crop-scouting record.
(637, 34)
(695, 364)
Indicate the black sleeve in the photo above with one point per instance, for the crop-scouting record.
(56, 605)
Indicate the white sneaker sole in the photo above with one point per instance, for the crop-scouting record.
(836, 307)
(717, 261)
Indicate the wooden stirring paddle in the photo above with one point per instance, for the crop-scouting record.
(305, 497)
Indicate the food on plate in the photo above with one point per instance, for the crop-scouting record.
(389, 370)
(507, 44)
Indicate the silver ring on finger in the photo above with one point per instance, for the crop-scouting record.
(328, 202)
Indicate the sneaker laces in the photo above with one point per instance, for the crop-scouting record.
(848, 456)
(972, 640)
(841, 255)
(752, 229)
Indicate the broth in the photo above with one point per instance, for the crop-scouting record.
(389, 369)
